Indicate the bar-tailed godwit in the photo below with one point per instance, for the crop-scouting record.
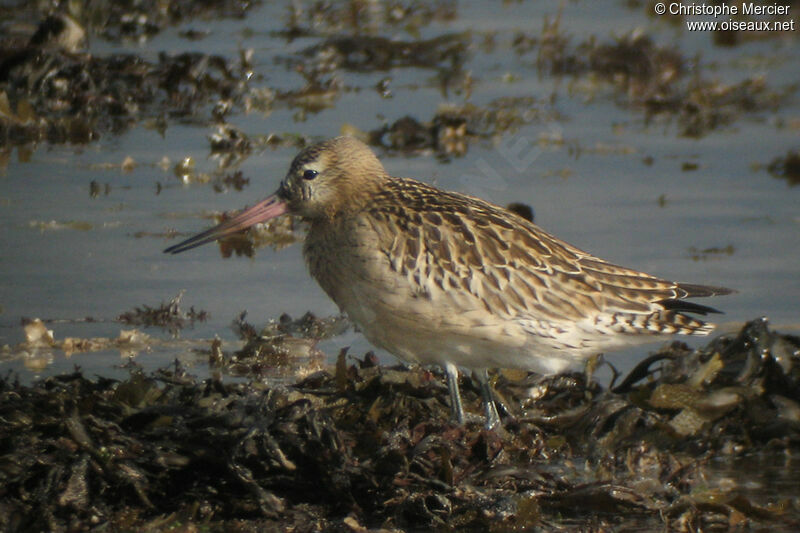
(438, 277)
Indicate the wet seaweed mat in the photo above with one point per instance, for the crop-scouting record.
(369, 446)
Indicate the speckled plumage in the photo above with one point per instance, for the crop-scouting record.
(438, 277)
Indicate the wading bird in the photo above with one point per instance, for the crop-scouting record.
(438, 277)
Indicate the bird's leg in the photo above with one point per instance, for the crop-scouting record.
(492, 418)
(455, 395)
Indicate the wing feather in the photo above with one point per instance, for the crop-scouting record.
(516, 268)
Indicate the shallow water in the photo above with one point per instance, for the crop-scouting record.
(583, 167)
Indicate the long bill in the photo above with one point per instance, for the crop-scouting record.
(265, 210)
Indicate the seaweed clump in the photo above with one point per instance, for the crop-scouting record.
(76, 98)
(652, 78)
(787, 167)
(168, 316)
(371, 446)
(52, 90)
(453, 128)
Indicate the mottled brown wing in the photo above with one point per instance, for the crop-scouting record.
(514, 267)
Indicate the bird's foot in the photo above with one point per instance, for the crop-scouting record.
(492, 418)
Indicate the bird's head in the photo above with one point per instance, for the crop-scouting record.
(324, 181)
(331, 177)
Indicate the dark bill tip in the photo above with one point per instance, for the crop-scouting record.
(261, 212)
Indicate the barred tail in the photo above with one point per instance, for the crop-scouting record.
(663, 322)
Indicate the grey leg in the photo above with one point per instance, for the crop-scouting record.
(455, 395)
(492, 418)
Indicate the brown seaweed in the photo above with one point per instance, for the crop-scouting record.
(368, 446)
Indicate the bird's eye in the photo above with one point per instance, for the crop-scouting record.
(310, 174)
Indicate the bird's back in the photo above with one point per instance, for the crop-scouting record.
(423, 270)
